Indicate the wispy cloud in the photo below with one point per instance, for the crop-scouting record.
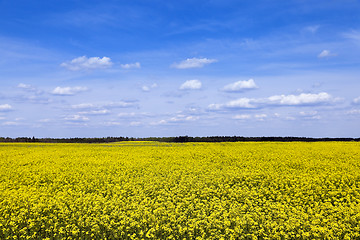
(240, 86)
(312, 29)
(130, 65)
(356, 100)
(96, 112)
(312, 115)
(68, 91)
(326, 53)
(242, 116)
(353, 112)
(191, 85)
(30, 88)
(353, 35)
(179, 118)
(193, 63)
(84, 63)
(77, 118)
(88, 107)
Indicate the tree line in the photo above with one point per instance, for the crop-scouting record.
(177, 139)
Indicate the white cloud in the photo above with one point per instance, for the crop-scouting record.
(183, 118)
(240, 86)
(312, 113)
(67, 91)
(5, 107)
(120, 104)
(191, 85)
(133, 114)
(83, 106)
(242, 116)
(193, 63)
(131, 65)
(179, 118)
(96, 112)
(84, 63)
(161, 122)
(29, 88)
(240, 103)
(102, 107)
(302, 99)
(77, 118)
(326, 53)
(260, 117)
(356, 100)
(146, 88)
(215, 106)
(112, 123)
(24, 86)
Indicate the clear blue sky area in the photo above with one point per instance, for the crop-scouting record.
(168, 68)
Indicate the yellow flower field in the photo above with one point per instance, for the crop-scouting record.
(151, 190)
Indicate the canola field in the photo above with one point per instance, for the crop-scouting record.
(151, 190)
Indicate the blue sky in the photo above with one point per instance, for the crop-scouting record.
(168, 68)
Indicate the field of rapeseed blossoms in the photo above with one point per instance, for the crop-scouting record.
(150, 190)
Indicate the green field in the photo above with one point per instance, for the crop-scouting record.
(151, 190)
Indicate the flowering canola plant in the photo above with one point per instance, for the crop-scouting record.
(151, 190)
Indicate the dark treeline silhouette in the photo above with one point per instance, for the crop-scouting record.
(178, 139)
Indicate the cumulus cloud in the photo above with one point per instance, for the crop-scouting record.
(130, 65)
(191, 85)
(193, 63)
(84, 63)
(68, 91)
(303, 99)
(326, 53)
(5, 107)
(240, 86)
(240, 103)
